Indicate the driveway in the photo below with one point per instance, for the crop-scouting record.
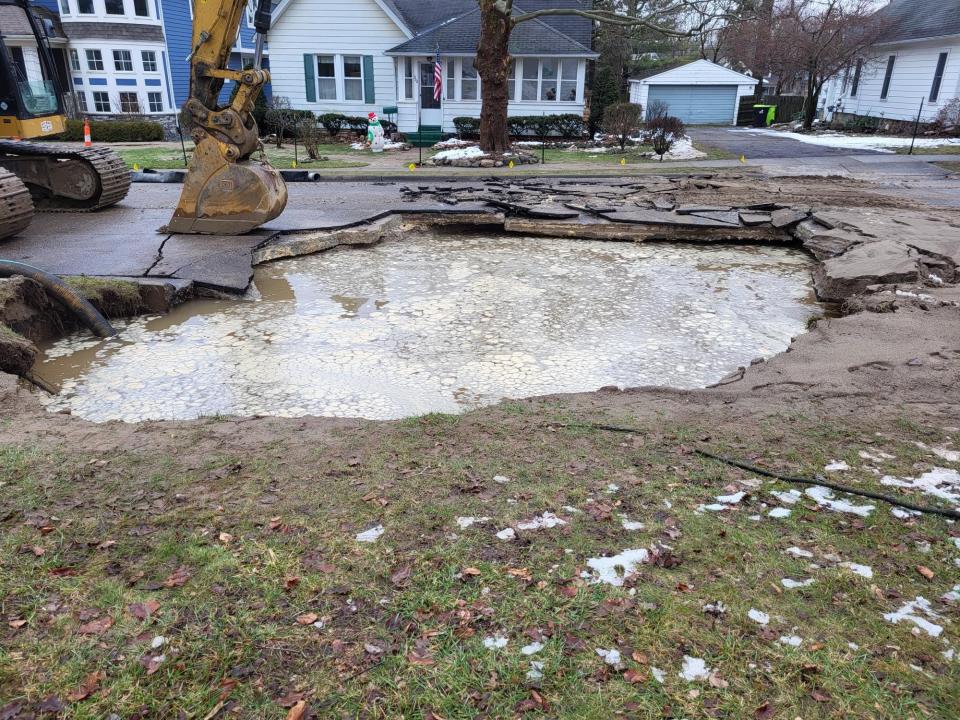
(756, 146)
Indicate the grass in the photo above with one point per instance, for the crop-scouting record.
(937, 150)
(235, 542)
(170, 156)
(951, 166)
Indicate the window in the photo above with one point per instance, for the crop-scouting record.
(886, 78)
(64, 7)
(101, 102)
(468, 83)
(74, 60)
(938, 77)
(113, 7)
(155, 101)
(548, 80)
(94, 60)
(512, 81)
(326, 78)
(531, 71)
(568, 80)
(856, 79)
(352, 77)
(129, 102)
(85, 7)
(141, 8)
(122, 62)
(451, 79)
(408, 78)
(149, 58)
(82, 101)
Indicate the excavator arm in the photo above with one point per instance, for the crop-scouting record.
(226, 190)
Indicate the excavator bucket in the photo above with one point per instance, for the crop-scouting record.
(226, 198)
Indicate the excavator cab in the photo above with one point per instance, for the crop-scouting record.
(45, 175)
(227, 191)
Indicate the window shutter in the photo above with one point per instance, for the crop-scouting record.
(310, 77)
(369, 97)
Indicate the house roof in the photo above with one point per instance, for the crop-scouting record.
(918, 19)
(460, 33)
(698, 72)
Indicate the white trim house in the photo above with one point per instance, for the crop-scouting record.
(357, 56)
(699, 93)
(918, 61)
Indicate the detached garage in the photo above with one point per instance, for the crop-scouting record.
(699, 93)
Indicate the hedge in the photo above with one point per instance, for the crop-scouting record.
(333, 123)
(115, 131)
(567, 125)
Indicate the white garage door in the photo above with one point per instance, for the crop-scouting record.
(698, 104)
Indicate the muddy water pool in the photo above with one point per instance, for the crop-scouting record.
(435, 323)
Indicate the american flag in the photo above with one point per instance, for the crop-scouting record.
(437, 77)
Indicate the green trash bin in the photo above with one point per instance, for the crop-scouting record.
(764, 115)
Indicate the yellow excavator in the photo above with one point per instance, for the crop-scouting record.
(226, 191)
(46, 175)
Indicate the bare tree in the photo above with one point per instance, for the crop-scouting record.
(498, 19)
(622, 121)
(281, 117)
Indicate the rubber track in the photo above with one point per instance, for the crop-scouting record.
(16, 206)
(113, 172)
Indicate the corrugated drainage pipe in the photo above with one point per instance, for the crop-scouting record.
(81, 307)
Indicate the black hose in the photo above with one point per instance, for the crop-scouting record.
(80, 306)
(945, 512)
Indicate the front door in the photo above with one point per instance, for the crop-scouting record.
(430, 112)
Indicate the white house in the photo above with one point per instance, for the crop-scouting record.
(699, 93)
(357, 56)
(917, 62)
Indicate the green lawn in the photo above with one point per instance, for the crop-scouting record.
(241, 557)
(938, 150)
(171, 156)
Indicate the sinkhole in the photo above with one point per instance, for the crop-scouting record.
(443, 322)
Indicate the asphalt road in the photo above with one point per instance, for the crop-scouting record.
(756, 146)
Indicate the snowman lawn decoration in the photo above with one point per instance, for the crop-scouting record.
(375, 133)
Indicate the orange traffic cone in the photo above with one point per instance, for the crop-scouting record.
(86, 134)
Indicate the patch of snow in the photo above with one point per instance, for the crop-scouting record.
(532, 648)
(861, 570)
(953, 595)
(758, 616)
(939, 482)
(453, 143)
(501, 479)
(731, 499)
(683, 149)
(715, 608)
(610, 657)
(667, 504)
(824, 498)
(903, 513)
(157, 642)
(371, 535)
(779, 513)
(631, 525)
(956, 541)
(528, 143)
(541, 522)
(468, 521)
(611, 488)
(658, 674)
(495, 642)
(911, 612)
(853, 646)
(755, 518)
(789, 497)
(713, 507)
(506, 534)
(854, 142)
(460, 153)
(790, 584)
(948, 654)
(612, 570)
(877, 456)
(836, 466)
(536, 671)
(571, 509)
(791, 640)
(798, 552)
(942, 453)
(694, 669)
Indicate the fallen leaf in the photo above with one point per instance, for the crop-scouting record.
(225, 537)
(926, 572)
(38, 551)
(106, 544)
(90, 684)
(521, 573)
(52, 704)
(298, 711)
(178, 577)
(290, 582)
(401, 575)
(143, 611)
(641, 658)
(820, 696)
(684, 588)
(569, 591)
(716, 681)
(289, 699)
(96, 627)
(226, 687)
(151, 662)
(470, 572)
(634, 676)
(63, 571)
(307, 618)
(764, 712)
(17, 623)
(420, 655)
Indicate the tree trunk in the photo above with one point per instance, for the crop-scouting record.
(493, 64)
(810, 107)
